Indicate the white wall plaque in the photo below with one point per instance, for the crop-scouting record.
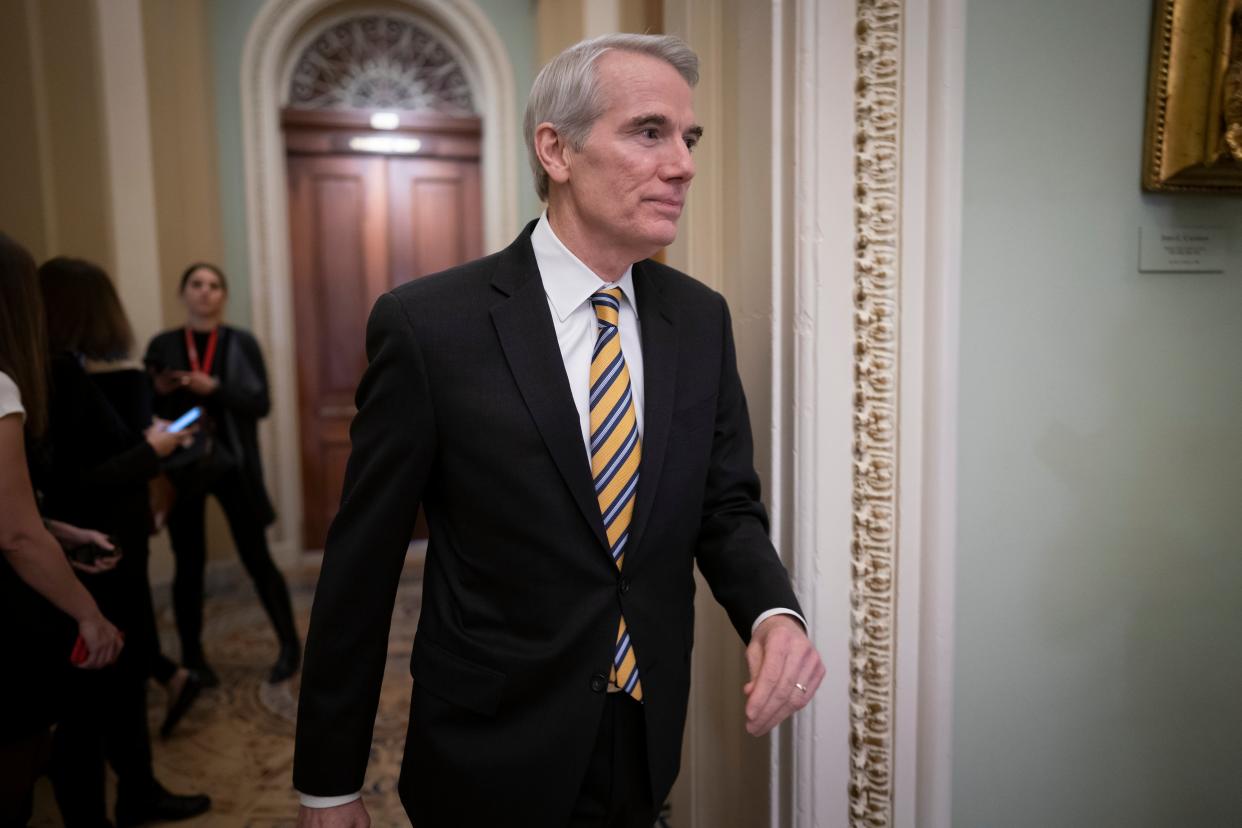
(1165, 249)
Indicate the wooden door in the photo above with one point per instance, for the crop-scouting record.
(338, 230)
(361, 224)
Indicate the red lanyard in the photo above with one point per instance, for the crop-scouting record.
(192, 350)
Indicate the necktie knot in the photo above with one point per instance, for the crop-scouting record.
(607, 305)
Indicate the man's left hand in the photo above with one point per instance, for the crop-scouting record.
(785, 672)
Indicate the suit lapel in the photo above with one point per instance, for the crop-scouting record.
(529, 342)
(659, 335)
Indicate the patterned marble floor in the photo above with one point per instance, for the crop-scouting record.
(236, 743)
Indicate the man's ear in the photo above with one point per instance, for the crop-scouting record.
(553, 152)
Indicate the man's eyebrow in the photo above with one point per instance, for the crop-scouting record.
(650, 120)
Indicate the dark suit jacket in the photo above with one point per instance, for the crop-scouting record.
(466, 408)
(99, 462)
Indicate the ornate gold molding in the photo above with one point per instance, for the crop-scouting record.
(877, 120)
(1193, 137)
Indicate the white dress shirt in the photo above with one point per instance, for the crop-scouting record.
(569, 284)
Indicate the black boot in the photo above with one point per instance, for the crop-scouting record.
(206, 676)
(178, 706)
(275, 598)
(287, 662)
(155, 804)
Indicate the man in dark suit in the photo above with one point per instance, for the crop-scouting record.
(570, 416)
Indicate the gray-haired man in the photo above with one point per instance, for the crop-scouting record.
(570, 416)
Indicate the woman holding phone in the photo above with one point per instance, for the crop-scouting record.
(219, 368)
(111, 446)
(104, 449)
(35, 577)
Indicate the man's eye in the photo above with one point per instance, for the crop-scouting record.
(651, 133)
(691, 143)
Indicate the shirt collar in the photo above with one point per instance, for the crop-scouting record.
(567, 281)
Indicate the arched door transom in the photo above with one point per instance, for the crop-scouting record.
(380, 62)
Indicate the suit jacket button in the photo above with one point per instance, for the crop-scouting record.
(598, 683)
(623, 585)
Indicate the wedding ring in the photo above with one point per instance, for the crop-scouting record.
(800, 686)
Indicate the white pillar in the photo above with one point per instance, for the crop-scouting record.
(875, 227)
(131, 184)
(600, 17)
(817, 319)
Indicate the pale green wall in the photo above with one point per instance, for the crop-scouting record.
(230, 21)
(514, 21)
(1098, 674)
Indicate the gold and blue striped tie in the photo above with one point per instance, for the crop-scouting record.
(615, 452)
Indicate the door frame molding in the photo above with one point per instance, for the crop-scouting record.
(865, 100)
(876, 220)
(278, 29)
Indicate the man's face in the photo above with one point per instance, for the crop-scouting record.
(628, 183)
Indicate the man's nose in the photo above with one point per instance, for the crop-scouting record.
(680, 163)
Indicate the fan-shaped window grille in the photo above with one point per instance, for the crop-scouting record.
(380, 63)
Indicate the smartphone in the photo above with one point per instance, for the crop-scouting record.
(89, 553)
(185, 419)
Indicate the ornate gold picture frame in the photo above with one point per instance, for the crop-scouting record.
(1194, 98)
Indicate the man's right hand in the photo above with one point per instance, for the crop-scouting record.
(350, 815)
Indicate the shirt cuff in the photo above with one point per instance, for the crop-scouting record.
(327, 801)
(777, 611)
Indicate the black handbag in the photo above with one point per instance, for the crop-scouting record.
(204, 461)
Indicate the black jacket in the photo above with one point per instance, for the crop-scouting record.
(99, 463)
(236, 407)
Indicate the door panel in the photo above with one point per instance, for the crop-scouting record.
(338, 232)
(435, 215)
(339, 289)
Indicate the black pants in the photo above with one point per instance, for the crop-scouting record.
(189, 542)
(105, 714)
(22, 762)
(143, 637)
(616, 792)
(106, 720)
